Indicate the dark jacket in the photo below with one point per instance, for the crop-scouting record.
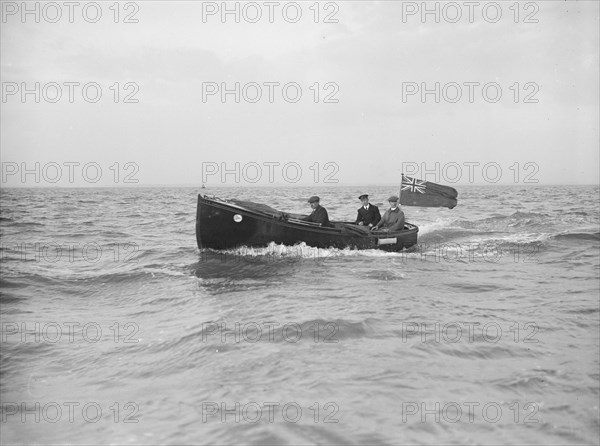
(370, 216)
(392, 220)
(318, 215)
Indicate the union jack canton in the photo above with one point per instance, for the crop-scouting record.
(413, 185)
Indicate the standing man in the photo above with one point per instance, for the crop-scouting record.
(368, 214)
(393, 219)
(318, 214)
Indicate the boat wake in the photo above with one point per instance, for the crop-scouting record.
(528, 230)
(301, 251)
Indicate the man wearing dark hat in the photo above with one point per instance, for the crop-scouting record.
(393, 219)
(318, 214)
(368, 214)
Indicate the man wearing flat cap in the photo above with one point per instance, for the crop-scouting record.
(318, 214)
(368, 214)
(393, 219)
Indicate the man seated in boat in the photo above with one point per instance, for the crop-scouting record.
(318, 214)
(393, 219)
(368, 214)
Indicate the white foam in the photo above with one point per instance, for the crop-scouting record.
(302, 250)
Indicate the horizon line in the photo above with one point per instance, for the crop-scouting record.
(326, 185)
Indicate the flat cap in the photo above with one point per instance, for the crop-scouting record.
(313, 199)
(393, 198)
(363, 196)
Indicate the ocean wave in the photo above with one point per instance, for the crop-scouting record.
(500, 221)
(53, 276)
(24, 224)
(214, 332)
(515, 222)
(585, 236)
(478, 349)
(5, 284)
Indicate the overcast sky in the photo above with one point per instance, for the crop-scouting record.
(536, 120)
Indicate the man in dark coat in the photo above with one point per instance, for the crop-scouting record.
(368, 214)
(319, 213)
(393, 219)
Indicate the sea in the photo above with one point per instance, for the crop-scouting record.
(117, 329)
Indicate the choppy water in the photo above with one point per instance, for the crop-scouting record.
(485, 333)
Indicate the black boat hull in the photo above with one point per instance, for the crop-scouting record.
(225, 225)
